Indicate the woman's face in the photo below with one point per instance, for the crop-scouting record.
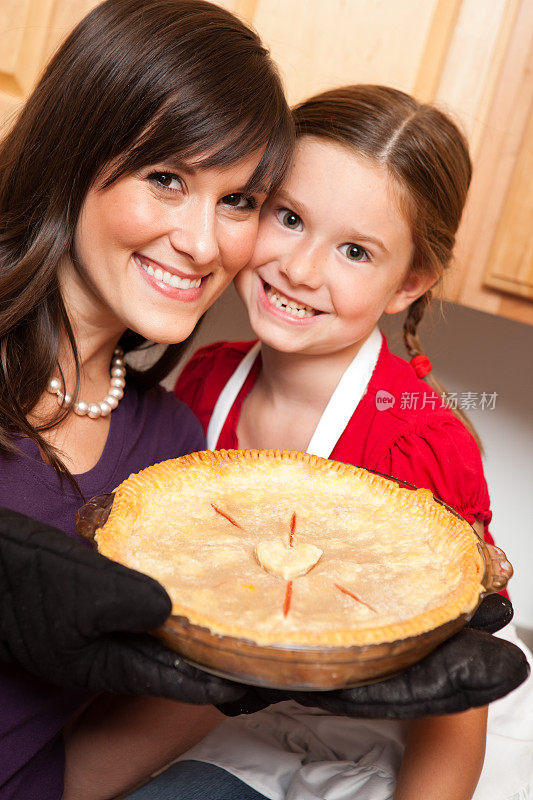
(156, 248)
(332, 254)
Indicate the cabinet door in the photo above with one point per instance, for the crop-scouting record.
(510, 264)
(30, 31)
(23, 33)
(320, 44)
(494, 252)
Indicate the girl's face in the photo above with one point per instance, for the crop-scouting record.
(332, 254)
(157, 247)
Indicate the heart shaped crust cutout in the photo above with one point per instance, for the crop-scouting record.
(287, 562)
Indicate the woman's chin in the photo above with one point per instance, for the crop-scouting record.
(165, 334)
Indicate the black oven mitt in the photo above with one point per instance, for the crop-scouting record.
(470, 669)
(77, 619)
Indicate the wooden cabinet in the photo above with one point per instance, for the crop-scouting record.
(30, 31)
(495, 253)
(23, 31)
(472, 57)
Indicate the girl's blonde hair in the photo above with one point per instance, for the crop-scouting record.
(428, 157)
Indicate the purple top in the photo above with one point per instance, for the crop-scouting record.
(145, 429)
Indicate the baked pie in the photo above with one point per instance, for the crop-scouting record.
(284, 550)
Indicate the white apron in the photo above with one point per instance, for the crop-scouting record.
(288, 752)
(338, 412)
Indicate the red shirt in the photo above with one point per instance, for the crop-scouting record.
(399, 428)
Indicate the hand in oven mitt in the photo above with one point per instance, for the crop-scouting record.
(77, 619)
(470, 669)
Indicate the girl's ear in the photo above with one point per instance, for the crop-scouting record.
(413, 287)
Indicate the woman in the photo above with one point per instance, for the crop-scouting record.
(130, 187)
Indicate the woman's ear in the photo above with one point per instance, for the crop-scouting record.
(413, 287)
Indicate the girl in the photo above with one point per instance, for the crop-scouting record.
(130, 188)
(364, 225)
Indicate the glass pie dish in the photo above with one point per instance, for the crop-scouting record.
(333, 660)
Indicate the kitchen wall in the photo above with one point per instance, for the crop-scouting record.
(471, 352)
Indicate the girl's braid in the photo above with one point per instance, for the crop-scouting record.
(415, 312)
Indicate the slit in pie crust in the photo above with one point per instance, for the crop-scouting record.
(286, 548)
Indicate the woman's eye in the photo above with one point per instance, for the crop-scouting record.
(240, 201)
(166, 180)
(354, 252)
(289, 219)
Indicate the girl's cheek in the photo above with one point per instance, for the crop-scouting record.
(240, 245)
(267, 245)
(242, 282)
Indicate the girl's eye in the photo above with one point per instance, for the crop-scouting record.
(240, 201)
(289, 219)
(166, 180)
(354, 252)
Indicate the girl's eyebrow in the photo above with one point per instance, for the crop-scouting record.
(367, 237)
(352, 235)
(291, 202)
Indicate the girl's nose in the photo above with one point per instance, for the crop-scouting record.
(301, 268)
(195, 234)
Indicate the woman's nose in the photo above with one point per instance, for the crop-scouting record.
(195, 233)
(302, 268)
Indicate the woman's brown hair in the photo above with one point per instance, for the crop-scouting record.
(136, 82)
(428, 157)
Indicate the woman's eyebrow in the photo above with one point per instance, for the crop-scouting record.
(173, 162)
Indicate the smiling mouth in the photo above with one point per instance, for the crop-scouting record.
(168, 277)
(290, 307)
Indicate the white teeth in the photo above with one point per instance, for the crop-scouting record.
(288, 306)
(167, 277)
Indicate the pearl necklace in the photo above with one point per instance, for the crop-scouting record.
(110, 401)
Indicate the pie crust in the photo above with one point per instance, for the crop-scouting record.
(286, 548)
